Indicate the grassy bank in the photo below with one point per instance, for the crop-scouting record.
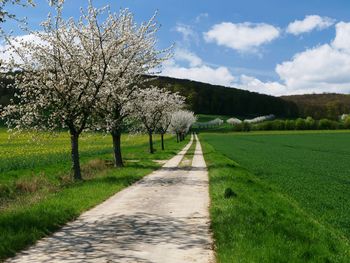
(39, 197)
(255, 222)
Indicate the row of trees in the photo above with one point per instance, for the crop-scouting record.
(233, 121)
(86, 74)
(299, 124)
(209, 124)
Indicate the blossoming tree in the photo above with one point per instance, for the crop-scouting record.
(66, 73)
(136, 57)
(181, 122)
(151, 106)
(175, 103)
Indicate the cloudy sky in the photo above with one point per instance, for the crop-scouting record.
(273, 46)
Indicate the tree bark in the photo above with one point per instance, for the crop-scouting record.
(118, 159)
(177, 137)
(162, 137)
(151, 150)
(74, 138)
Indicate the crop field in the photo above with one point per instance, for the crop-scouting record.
(312, 168)
(37, 193)
(29, 152)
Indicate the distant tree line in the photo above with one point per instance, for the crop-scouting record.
(318, 106)
(298, 124)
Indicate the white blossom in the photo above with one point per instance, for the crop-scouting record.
(209, 124)
(153, 107)
(182, 121)
(133, 59)
(344, 116)
(260, 119)
(233, 121)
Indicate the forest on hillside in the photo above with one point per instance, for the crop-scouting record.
(214, 99)
(327, 105)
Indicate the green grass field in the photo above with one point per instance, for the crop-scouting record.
(292, 190)
(37, 195)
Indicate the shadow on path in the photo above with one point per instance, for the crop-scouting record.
(105, 238)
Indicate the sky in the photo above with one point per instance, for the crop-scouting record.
(275, 47)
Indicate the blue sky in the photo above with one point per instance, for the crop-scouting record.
(273, 46)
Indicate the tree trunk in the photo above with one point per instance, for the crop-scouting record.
(162, 137)
(118, 159)
(74, 138)
(177, 137)
(150, 142)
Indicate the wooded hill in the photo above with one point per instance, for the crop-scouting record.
(327, 105)
(214, 99)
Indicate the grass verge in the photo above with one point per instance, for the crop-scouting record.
(32, 216)
(188, 157)
(254, 222)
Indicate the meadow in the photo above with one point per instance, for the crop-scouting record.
(37, 193)
(291, 195)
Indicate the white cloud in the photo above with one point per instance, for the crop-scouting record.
(253, 84)
(187, 56)
(309, 23)
(186, 31)
(200, 17)
(203, 73)
(242, 36)
(320, 69)
(342, 38)
(195, 69)
(323, 68)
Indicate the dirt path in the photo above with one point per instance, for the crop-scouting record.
(163, 218)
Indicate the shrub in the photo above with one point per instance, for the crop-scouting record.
(310, 123)
(347, 122)
(246, 126)
(278, 125)
(264, 126)
(325, 124)
(300, 124)
(238, 127)
(289, 124)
